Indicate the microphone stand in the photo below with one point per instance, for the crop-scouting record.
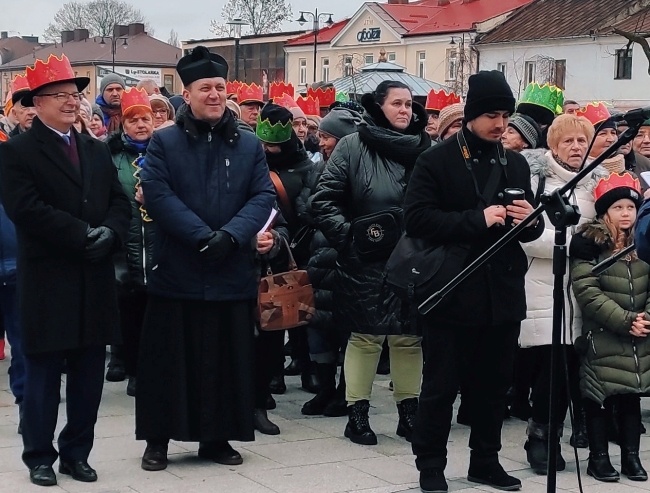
(608, 262)
(562, 214)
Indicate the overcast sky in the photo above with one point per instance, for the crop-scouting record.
(190, 18)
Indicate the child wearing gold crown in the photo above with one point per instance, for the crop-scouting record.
(614, 347)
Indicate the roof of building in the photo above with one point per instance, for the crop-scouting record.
(371, 75)
(248, 37)
(553, 19)
(15, 47)
(424, 17)
(427, 17)
(325, 35)
(141, 49)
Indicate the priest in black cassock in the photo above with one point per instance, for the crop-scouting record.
(206, 186)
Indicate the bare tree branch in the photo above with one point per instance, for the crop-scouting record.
(98, 16)
(639, 39)
(263, 16)
(173, 39)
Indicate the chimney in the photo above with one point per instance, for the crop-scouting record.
(398, 2)
(81, 34)
(136, 28)
(443, 3)
(4, 34)
(67, 36)
(120, 30)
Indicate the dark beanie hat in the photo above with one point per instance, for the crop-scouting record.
(609, 123)
(201, 64)
(543, 116)
(98, 111)
(527, 128)
(340, 122)
(488, 91)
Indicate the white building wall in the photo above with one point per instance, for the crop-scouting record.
(590, 68)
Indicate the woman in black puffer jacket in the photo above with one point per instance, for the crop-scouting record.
(358, 207)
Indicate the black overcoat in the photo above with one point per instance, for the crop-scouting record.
(65, 301)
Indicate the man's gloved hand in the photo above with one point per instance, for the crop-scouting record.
(217, 246)
(99, 242)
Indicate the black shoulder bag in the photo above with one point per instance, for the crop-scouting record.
(418, 268)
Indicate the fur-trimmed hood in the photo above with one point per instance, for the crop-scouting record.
(598, 232)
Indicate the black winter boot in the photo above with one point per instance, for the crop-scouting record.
(407, 409)
(493, 475)
(338, 406)
(537, 448)
(263, 424)
(116, 371)
(309, 379)
(599, 465)
(277, 385)
(326, 373)
(358, 428)
(579, 437)
(629, 439)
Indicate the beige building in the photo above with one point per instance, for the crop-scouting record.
(433, 39)
(131, 53)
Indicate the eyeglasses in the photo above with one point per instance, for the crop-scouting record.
(62, 97)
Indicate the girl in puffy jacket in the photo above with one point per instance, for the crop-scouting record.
(614, 347)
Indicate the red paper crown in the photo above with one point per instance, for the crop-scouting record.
(595, 112)
(437, 100)
(134, 99)
(250, 93)
(232, 87)
(324, 96)
(277, 89)
(616, 180)
(309, 105)
(19, 84)
(55, 69)
(285, 101)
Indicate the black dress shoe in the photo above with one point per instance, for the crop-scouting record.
(154, 458)
(493, 475)
(116, 372)
(263, 424)
(221, 453)
(42, 475)
(79, 470)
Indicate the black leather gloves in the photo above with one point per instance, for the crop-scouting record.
(99, 242)
(217, 246)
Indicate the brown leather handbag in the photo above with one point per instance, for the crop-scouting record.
(285, 300)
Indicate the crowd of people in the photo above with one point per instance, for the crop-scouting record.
(144, 221)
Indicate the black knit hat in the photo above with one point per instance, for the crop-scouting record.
(527, 128)
(201, 64)
(541, 115)
(488, 91)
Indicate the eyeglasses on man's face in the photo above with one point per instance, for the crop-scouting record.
(63, 97)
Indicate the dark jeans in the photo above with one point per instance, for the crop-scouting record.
(132, 307)
(84, 382)
(482, 357)
(9, 312)
(269, 361)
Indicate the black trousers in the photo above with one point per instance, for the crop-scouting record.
(482, 357)
(269, 361)
(85, 380)
(132, 308)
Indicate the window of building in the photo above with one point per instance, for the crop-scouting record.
(348, 68)
(452, 64)
(422, 64)
(503, 68)
(391, 56)
(326, 70)
(623, 64)
(169, 83)
(368, 58)
(88, 88)
(302, 63)
(529, 72)
(559, 78)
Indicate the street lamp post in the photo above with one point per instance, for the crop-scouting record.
(316, 18)
(114, 39)
(236, 28)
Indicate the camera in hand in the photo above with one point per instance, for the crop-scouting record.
(508, 196)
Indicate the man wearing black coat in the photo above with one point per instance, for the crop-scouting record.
(60, 189)
(473, 337)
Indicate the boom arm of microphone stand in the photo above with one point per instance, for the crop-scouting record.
(432, 301)
(608, 262)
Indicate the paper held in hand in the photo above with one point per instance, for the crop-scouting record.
(269, 222)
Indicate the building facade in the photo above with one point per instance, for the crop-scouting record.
(130, 52)
(432, 39)
(581, 54)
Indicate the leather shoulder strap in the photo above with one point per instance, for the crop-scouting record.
(282, 194)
